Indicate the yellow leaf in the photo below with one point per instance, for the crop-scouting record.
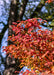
(37, 71)
(52, 68)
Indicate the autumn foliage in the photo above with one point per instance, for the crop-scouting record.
(49, 1)
(33, 46)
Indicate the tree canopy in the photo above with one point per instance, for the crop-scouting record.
(25, 9)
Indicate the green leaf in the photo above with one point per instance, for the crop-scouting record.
(52, 24)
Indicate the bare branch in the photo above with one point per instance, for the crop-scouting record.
(2, 33)
(37, 10)
(22, 9)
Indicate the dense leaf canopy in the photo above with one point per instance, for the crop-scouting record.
(33, 46)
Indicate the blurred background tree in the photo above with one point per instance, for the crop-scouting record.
(13, 10)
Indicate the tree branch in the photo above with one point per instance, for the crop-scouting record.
(3, 23)
(13, 14)
(22, 9)
(13, 11)
(2, 33)
(47, 25)
(37, 10)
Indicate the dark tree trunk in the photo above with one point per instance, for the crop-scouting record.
(13, 14)
(11, 63)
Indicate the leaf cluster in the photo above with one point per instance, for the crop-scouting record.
(33, 46)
